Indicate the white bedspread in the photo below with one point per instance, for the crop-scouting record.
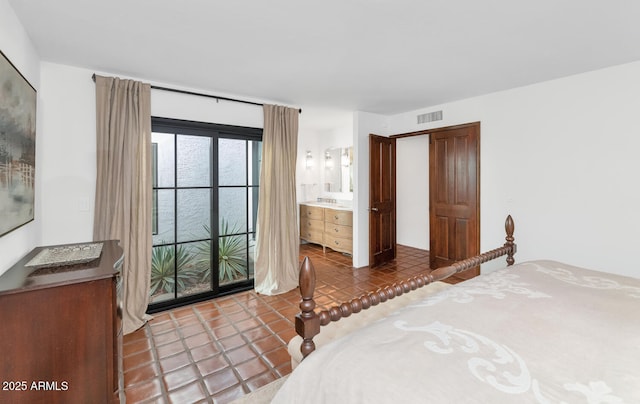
(540, 332)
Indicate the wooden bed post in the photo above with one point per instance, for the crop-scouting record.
(509, 228)
(307, 321)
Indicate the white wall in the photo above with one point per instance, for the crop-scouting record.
(364, 124)
(202, 109)
(562, 158)
(17, 47)
(68, 154)
(412, 191)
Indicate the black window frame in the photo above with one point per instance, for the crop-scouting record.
(214, 131)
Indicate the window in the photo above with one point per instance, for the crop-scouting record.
(205, 191)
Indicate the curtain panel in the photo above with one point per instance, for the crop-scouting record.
(277, 240)
(123, 186)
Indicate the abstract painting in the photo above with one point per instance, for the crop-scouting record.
(17, 147)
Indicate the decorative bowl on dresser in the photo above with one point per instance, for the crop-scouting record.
(61, 327)
(327, 225)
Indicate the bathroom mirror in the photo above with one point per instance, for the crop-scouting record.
(338, 169)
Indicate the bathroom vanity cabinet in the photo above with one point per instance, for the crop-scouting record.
(328, 226)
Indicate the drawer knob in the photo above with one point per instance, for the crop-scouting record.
(336, 217)
(337, 243)
(336, 229)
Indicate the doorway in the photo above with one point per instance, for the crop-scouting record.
(453, 181)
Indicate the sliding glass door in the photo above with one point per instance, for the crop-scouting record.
(205, 198)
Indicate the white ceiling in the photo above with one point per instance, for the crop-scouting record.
(382, 56)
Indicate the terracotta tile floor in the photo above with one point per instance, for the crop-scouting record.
(221, 349)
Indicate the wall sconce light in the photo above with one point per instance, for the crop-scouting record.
(345, 158)
(328, 160)
(308, 160)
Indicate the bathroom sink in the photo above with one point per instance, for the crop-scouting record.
(328, 205)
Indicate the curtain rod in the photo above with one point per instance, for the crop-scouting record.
(216, 97)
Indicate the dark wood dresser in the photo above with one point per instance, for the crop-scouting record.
(61, 331)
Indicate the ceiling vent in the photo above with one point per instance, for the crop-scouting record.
(430, 117)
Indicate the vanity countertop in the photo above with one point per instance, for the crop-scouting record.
(336, 206)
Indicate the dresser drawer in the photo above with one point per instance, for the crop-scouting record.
(311, 212)
(311, 235)
(341, 217)
(309, 224)
(339, 244)
(336, 230)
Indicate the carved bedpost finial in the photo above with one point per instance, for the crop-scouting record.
(307, 322)
(509, 227)
(307, 285)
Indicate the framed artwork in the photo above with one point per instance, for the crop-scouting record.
(17, 147)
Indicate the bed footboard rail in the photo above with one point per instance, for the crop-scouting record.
(308, 322)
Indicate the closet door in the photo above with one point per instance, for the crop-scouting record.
(454, 196)
(382, 200)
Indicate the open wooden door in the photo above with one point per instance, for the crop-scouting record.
(382, 200)
(454, 196)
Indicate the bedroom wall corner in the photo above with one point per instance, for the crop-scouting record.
(17, 47)
(364, 124)
(69, 154)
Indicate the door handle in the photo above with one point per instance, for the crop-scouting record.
(374, 209)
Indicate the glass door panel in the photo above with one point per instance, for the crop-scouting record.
(238, 206)
(194, 269)
(193, 168)
(232, 260)
(233, 209)
(205, 198)
(232, 167)
(162, 286)
(193, 214)
(164, 216)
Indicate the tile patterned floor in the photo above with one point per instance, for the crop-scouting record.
(221, 349)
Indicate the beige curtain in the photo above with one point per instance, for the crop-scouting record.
(123, 188)
(277, 239)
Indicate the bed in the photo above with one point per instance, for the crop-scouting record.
(539, 331)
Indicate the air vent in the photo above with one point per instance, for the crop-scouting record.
(430, 117)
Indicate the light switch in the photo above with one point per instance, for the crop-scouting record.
(83, 204)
